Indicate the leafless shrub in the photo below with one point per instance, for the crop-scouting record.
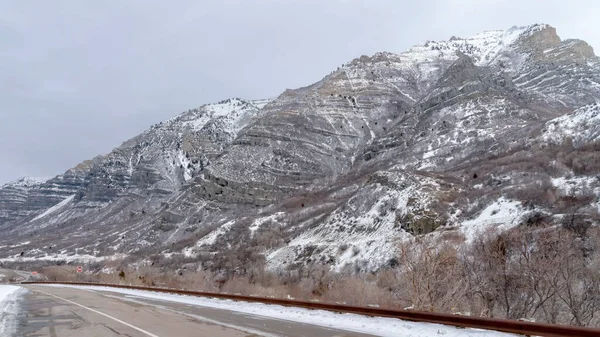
(579, 224)
(358, 291)
(582, 160)
(9, 276)
(536, 219)
(431, 275)
(540, 192)
(540, 273)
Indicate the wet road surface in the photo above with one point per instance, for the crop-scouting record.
(69, 312)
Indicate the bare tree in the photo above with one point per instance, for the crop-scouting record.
(431, 275)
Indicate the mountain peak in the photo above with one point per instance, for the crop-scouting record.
(485, 47)
(537, 37)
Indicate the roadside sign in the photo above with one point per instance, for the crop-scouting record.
(34, 273)
(80, 269)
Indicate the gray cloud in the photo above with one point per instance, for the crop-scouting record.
(79, 77)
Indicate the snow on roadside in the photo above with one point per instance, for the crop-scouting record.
(377, 326)
(9, 296)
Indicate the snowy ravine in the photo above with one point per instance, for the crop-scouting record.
(9, 308)
(377, 326)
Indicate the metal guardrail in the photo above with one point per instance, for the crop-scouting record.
(503, 325)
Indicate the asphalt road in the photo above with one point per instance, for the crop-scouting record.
(21, 275)
(68, 312)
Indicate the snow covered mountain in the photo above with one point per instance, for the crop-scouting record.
(13, 196)
(457, 136)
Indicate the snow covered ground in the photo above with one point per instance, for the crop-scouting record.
(581, 126)
(9, 296)
(500, 215)
(362, 324)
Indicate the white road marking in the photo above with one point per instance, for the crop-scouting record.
(200, 318)
(103, 314)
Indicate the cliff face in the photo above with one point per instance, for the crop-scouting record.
(14, 197)
(461, 135)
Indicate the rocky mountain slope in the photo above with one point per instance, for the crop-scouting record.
(451, 138)
(14, 195)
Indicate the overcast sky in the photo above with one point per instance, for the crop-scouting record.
(77, 78)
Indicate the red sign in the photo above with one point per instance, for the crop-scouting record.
(34, 273)
(80, 269)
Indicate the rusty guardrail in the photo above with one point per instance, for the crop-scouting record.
(503, 325)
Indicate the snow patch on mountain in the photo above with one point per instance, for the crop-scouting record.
(185, 163)
(55, 207)
(224, 108)
(575, 186)
(27, 182)
(582, 126)
(209, 239)
(501, 215)
(212, 236)
(261, 221)
(485, 48)
(366, 231)
(232, 109)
